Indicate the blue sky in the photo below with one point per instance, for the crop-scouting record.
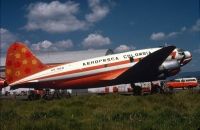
(96, 24)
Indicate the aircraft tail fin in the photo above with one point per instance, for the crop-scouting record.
(21, 62)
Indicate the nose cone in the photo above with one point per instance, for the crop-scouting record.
(187, 54)
(187, 58)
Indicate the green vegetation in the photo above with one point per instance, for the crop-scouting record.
(179, 111)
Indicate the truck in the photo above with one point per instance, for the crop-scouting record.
(182, 83)
(122, 88)
(140, 88)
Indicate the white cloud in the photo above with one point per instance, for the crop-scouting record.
(45, 44)
(95, 40)
(54, 17)
(42, 46)
(197, 50)
(123, 48)
(27, 42)
(36, 47)
(57, 17)
(98, 11)
(6, 38)
(158, 36)
(162, 36)
(50, 46)
(172, 34)
(65, 44)
(183, 29)
(196, 27)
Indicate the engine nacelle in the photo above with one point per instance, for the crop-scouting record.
(169, 65)
(169, 68)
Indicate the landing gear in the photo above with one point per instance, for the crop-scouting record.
(48, 95)
(171, 90)
(155, 89)
(33, 95)
(145, 88)
(56, 94)
(137, 90)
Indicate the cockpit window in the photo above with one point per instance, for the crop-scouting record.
(180, 51)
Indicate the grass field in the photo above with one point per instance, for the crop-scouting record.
(179, 111)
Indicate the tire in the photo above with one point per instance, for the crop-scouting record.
(171, 90)
(137, 90)
(155, 89)
(30, 97)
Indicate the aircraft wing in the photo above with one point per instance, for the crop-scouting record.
(147, 68)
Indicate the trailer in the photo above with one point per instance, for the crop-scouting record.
(144, 88)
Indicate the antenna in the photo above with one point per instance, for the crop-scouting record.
(109, 52)
(166, 44)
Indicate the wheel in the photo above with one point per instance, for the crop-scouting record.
(137, 90)
(171, 90)
(155, 89)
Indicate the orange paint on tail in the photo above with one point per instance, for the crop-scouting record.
(21, 62)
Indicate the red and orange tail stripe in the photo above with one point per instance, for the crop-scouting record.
(21, 62)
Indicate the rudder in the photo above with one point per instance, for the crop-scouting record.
(21, 62)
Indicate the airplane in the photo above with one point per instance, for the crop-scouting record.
(24, 70)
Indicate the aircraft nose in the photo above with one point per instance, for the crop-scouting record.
(187, 54)
(187, 57)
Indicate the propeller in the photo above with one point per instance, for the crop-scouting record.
(183, 58)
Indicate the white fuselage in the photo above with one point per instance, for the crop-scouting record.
(53, 73)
